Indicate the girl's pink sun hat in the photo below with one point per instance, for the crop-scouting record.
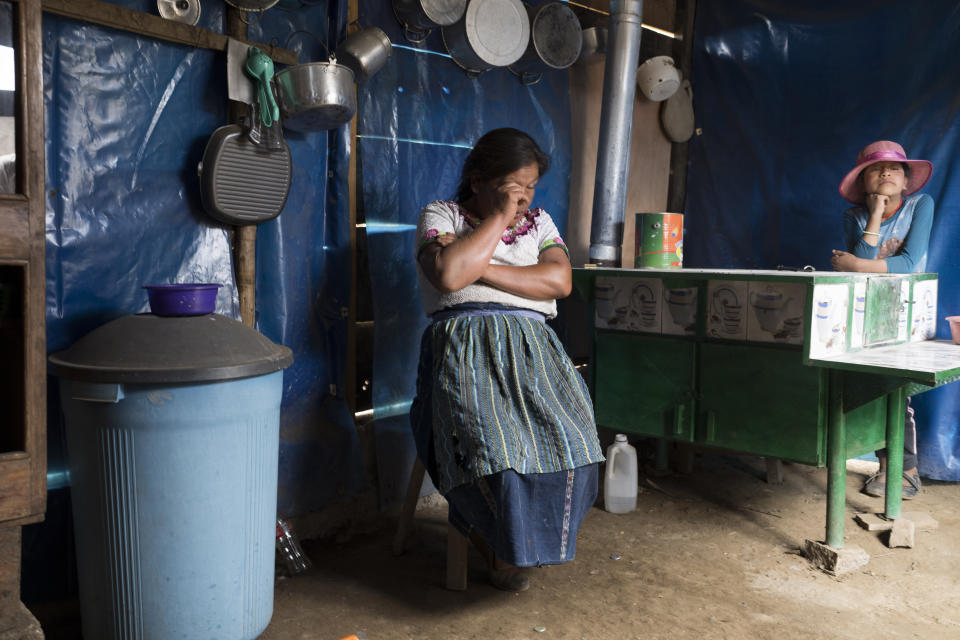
(884, 151)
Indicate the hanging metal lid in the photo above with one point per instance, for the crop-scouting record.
(151, 349)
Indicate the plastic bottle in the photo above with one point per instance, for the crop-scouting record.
(290, 550)
(620, 480)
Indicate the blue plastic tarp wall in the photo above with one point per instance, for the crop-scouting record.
(127, 120)
(419, 117)
(786, 94)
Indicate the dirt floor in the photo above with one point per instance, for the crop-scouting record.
(709, 555)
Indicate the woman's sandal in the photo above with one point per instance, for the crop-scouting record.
(876, 485)
(505, 578)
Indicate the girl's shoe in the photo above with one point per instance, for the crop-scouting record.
(912, 488)
(876, 485)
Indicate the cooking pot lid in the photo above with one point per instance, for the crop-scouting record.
(443, 12)
(556, 35)
(498, 30)
(186, 11)
(150, 349)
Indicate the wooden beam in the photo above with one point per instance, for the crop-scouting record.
(244, 237)
(145, 24)
(350, 371)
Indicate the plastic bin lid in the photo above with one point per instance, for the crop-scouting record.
(145, 348)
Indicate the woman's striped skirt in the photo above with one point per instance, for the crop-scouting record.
(504, 424)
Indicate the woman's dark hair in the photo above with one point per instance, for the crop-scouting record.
(498, 153)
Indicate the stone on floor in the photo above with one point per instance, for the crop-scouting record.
(835, 561)
(902, 533)
(878, 522)
(922, 520)
(873, 521)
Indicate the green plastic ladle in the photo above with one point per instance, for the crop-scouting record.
(260, 67)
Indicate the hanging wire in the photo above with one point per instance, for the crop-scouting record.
(286, 45)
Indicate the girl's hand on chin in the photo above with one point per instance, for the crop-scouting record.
(876, 203)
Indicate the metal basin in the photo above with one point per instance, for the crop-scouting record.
(315, 96)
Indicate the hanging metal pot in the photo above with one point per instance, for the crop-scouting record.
(555, 41)
(365, 52)
(491, 33)
(315, 96)
(419, 17)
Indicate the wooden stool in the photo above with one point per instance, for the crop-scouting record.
(457, 543)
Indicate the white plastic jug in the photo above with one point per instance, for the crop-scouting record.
(620, 480)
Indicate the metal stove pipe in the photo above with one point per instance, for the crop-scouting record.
(616, 123)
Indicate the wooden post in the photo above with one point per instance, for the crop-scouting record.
(244, 237)
(350, 371)
(245, 256)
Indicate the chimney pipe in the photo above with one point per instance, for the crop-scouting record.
(616, 123)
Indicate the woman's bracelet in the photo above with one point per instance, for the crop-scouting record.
(871, 233)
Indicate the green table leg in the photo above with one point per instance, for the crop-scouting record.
(836, 462)
(895, 410)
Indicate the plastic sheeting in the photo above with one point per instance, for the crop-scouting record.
(304, 264)
(419, 117)
(786, 95)
(127, 120)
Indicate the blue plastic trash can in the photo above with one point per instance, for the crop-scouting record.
(172, 432)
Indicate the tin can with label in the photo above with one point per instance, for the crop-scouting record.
(659, 241)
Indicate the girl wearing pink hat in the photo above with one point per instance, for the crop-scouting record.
(887, 231)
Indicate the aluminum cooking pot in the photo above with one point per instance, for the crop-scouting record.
(555, 40)
(365, 52)
(491, 33)
(315, 96)
(418, 17)
(594, 41)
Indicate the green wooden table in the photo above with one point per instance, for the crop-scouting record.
(809, 367)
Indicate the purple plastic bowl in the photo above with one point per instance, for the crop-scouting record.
(182, 299)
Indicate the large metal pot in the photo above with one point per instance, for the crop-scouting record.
(418, 17)
(555, 39)
(315, 96)
(365, 52)
(491, 33)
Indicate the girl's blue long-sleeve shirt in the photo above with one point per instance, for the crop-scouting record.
(904, 236)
